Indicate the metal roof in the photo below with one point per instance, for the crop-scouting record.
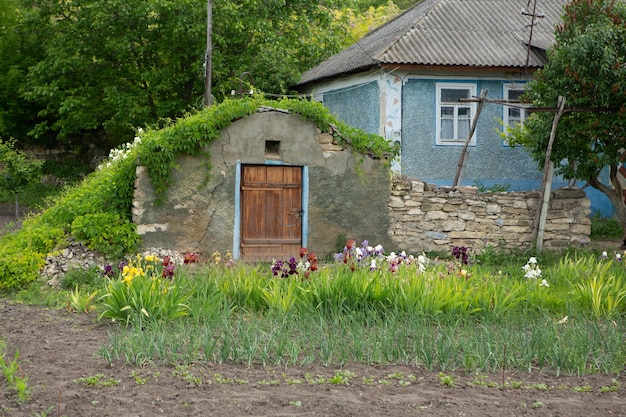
(459, 33)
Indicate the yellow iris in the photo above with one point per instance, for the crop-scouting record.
(151, 258)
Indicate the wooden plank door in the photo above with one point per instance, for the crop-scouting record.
(271, 212)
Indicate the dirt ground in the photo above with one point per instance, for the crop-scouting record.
(57, 348)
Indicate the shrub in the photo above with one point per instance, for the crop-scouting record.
(107, 233)
(23, 254)
(89, 278)
(19, 268)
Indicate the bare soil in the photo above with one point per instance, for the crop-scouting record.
(57, 348)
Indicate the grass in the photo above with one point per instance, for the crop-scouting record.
(603, 228)
(485, 321)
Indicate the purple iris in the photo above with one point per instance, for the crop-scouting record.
(108, 270)
(168, 271)
(460, 253)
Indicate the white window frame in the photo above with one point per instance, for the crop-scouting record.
(508, 122)
(456, 140)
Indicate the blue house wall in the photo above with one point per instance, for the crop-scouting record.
(490, 161)
(358, 106)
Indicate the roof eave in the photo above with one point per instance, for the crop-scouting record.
(459, 68)
(304, 85)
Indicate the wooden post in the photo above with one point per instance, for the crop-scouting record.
(546, 185)
(481, 103)
(208, 64)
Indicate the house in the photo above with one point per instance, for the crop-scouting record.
(406, 81)
(273, 180)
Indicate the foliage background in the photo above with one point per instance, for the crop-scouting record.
(85, 73)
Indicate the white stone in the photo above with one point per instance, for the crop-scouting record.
(142, 229)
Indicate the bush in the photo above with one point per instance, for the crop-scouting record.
(605, 227)
(89, 278)
(19, 268)
(106, 233)
(23, 254)
(39, 237)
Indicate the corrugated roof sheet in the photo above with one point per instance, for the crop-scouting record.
(475, 33)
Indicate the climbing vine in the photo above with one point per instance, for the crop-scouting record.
(193, 134)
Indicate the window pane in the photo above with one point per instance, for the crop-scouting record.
(515, 94)
(447, 129)
(514, 114)
(452, 95)
(447, 112)
(464, 128)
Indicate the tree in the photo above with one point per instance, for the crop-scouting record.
(587, 66)
(364, 5)
(362, 22)
(17, 170)
(112, 65)
(19, 49)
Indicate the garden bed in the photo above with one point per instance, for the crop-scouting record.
(59, 356)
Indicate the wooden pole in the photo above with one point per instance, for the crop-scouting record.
(546, 184)
(208, 65)
(459, 169)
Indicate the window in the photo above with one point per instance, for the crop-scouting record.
(454, 118)
(513, 115)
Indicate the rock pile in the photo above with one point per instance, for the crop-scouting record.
(75, 256)
(78, 256)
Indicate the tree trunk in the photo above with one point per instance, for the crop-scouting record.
(615, 195)
(17, 207)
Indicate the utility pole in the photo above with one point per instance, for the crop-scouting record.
(534, 16)
(208, 57)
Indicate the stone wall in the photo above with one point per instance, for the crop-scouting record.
(429, 218)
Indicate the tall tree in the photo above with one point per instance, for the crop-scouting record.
(587, 66)
(110, 65)
(19, 49)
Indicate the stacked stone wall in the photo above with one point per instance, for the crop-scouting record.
(429, 218)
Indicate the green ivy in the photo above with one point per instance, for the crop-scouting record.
(194, 133)
(107, 233)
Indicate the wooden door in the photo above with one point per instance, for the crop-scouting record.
(271, 212)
